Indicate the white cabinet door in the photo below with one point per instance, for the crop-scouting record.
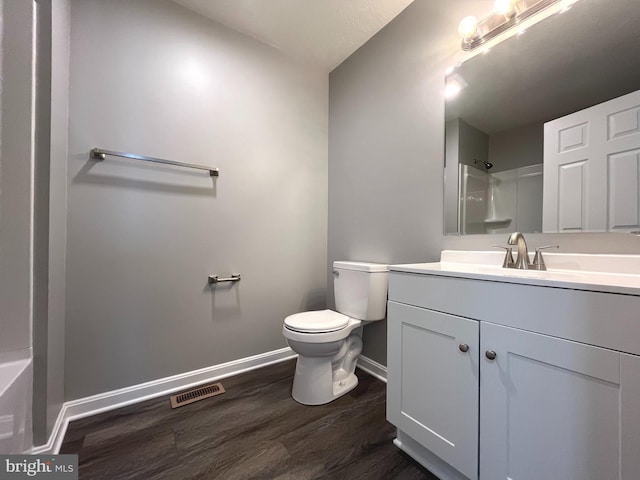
(432, 390)
(554, 409)
(592, 168)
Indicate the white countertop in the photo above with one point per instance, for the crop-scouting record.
(601, 273)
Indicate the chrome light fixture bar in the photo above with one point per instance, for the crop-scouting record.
(507, 14)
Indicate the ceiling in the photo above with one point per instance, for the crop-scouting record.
(321, 33)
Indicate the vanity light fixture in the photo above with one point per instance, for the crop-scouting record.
(468, 29)
(505, 8)
(568, 5)
(506, 14)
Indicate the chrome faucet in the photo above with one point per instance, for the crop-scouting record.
(522, 260)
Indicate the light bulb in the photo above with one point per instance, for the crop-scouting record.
(468, 27)
(504, 7)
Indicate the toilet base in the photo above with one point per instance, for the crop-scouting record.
(313, 382)
(344, 386)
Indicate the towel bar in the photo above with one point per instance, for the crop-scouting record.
(215, 279)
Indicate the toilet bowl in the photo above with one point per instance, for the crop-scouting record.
(327, 342)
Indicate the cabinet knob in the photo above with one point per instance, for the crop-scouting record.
(463, 347)
(490, 354)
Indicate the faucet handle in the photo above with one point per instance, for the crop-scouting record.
(538, 261)
(508, 257)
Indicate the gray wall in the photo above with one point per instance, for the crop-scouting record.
(16, 202)
(32, 256)
(41, 187)
(153, 78)
(515, 148)
(57, 209)
(451, 175)
(386, 148)
(474, 145)
(50, 215)
(386, 144)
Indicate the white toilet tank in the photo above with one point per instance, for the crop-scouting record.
(361, 289)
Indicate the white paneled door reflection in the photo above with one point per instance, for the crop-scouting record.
(592, 168)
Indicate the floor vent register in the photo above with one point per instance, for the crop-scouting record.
(200, 393)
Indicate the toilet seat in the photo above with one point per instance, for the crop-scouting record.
(320, 321)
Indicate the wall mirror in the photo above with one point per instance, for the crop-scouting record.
(545, 133)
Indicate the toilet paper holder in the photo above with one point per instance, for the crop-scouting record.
(213, 279)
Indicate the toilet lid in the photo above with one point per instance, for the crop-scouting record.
(316, 322)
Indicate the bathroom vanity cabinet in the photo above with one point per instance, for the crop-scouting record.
(498, 379)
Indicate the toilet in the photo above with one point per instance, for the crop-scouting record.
(328, 343)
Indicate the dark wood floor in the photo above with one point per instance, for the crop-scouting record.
(253, 431)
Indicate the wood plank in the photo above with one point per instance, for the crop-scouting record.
(254, 430)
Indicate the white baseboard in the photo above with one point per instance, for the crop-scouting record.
(103, 402)
(373, 368)
(56, 437)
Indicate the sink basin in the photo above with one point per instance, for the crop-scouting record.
(597, 272)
